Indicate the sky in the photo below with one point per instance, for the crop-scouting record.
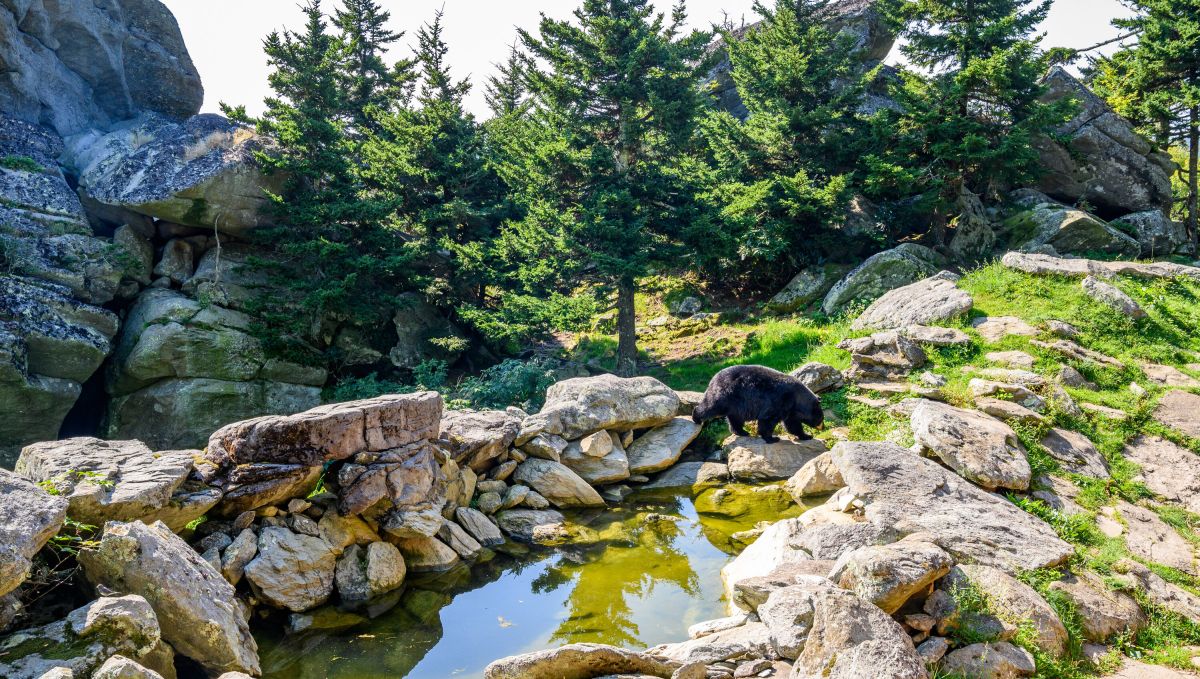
(224, 37)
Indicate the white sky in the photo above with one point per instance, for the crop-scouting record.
(225, 36)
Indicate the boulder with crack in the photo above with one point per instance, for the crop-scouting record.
(979, 447)
(933, 300)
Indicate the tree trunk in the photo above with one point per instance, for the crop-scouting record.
(626, 329)
(1193, 161)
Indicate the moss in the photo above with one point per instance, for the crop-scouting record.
(21, 164)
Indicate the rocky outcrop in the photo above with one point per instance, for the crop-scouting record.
(934, 300)
(1066, 230)
(1102, 161)
(76, 65)
(1044, 265)
(882, 272)
(29, 517)
(200, 615)
(806, 287)
(291, 570)
(1157, 233)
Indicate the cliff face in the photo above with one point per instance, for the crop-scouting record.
(70, 65)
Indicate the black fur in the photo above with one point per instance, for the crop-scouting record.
(753, 393)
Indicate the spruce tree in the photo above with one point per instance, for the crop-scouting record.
(365, 78)
(614, 105)
(505, 92)
(1157, 82)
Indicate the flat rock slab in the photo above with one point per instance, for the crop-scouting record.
(751, 458)
(1059, 266)
(1008, 411)
(977, 446)
(331, 432)
(1151, 538)
(933, 300)
(1012, 359)
(1178, 410)
(1075, 351)
(578, 661)
(1104, 613)
(1076, 453)
(1016, 602)
(29, 517)
(1169, 376)
(1168, 470)
(661, 447)
(585, 405)
(904, 493)
(690, 475)
(996, 328)
(1112, 297)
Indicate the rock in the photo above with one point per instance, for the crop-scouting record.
(364, 574)
(342, 531)
(610, 467)
(1161, 592)
(819, 377)
(1017, 392)
(933, 649)
(546, 446)
(1073, 378)
(113, 480)
(201, 172)
(198, 611)
(751, 458)
(1076, 453)
(806, 287)
(514, 496)
(1102, 160)
(1157, 233)
(478, 437)
(532, 525)
(412, 522)
(1016, 603)
(777, 545)
(1076, 352)
(1152, 539)
(238, 555)
(1112, 296)
(880, 273)
(973, 236)
(479, 526)
(256, 486)
(661, 447)
(578, 661)
(292, 571)
(1177, 410)
(426, 555)
(697, 475)
(995, 328)
(904, 494)
(1047, 265)
(886, 354)
(1169, 376)
(818, 476)
(489, 502)
(938, 337)
(703, 629)
(1012, 359)
(749, 640)
(330, 432)
(79, 644)
(751, 593)
(557, 483)
(1132, 669)
(1103, 613)
(852, 638)
(888, 575)
(120, 667)
(980, 448)
(788, 615)
(999, 660)
(460, 541)
(1068, 231)
(932, 300)
(1008, 411)
(583, 405)
(29, 517)
(1169, 470)
(106, 74)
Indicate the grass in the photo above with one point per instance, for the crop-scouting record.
(20, 163)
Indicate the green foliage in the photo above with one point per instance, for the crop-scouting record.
(20, 163)
(510, 383)
(513, 320)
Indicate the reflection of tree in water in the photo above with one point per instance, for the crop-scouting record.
(639, 555)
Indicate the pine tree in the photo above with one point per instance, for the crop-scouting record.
(505, 92)
(781, 175)
(366, 80)
(614, 107)
(1157, 82)
(971, 125)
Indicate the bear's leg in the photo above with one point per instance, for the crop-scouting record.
(766, 430)
(795, 426)
(737, 426)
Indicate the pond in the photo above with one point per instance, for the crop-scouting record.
(651, 570)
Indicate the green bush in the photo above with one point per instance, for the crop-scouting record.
(511, 383)
(22, 163)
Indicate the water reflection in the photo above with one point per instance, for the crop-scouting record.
(654, 571)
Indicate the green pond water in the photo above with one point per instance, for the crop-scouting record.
(652, 570)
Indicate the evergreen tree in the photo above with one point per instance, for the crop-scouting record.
(781, 176)
(613, 111)
(972, 124)
(505, 92)
(366, 80)
(1156, 83)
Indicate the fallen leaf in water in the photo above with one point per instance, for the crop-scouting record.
(503, 622)
(366, 636)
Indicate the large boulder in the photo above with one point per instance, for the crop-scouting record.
(199, 612)
(1168, 470)
(1177, 410)
(1076, 453)
(887, 355)
(292, 570)
(29, 517)
(1158, 234)
(806, 287)
(752, 459)
(1068, 231)
(887, 270)
(1103, 160)
(852, 638)
(116, 480)
(977, 446)
(479, 437)
(200, 172)
(934, 300)
(557, 483)
(584, 405)
(1015, 603)
(889, 575)
(904, 493)
(76, 65)
(661, 447)
(1047, 265)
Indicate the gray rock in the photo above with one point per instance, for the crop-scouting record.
(1177, 410)
(1169, 376)
(1008, 411)
(999, 660)
(120, 667)
(546, 446)
(557, 483)
(852, 638)
(479, 437)
(750, 640)
(366, 573)
(882, 272)
(818, 476)
(889, 575)
(1157, 233)
(1112, 296)
(1016, 603)
(198, 611)
(418, 324)
(292, 571)
(427, 555)
(819, 377)
(578, 661)
(661, 447)
(778, 545)
(806, 287)
(751, 458)
(933, 300)
(973, 235)
(1152, 539)
(1068, 231)
(1103, 613)
(903, 494)
(995, 328)
(937, 336)
(885, 355)
(460, 540)
(979, 447)
(610, 467)
(479, 526)
(411, 522)
(1046, 265)
(238, 555)
(690, 475)
(584, 405)
(29, 517)
(1076, 453)
(532, 525)
(1161, 592)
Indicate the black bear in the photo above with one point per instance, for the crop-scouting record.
(745, 393)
